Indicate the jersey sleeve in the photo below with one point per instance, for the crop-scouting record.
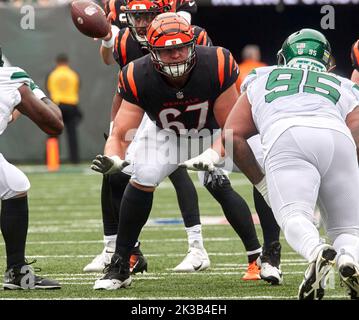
(127, 86)
(202, 37)
(118, 17)
(253, 75)
(189, 6)
(227, 70)
(120, 47)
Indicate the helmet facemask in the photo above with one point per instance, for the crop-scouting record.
(171, 42)
(138, 21)
(178, 68)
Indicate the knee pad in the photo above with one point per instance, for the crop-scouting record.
(13, 181)
(146, 176)
(293, 210)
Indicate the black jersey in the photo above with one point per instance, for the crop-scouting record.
(190, 107)
(127, 49)
(119, 18)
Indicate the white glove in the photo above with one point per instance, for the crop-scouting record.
(261, 186)
(108, 165)
(206, 161)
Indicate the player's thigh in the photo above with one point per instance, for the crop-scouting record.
(293, 182)
(338, 194)
(13, 181)
(155, 156)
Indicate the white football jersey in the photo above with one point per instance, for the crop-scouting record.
(11, 78)
(283, 97)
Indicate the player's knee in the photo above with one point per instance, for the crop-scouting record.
(291, 213)
(146, 176)
(15, 184)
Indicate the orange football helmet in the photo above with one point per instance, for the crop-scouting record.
(171, 31)
(140, 13)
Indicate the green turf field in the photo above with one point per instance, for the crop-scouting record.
(66, 230)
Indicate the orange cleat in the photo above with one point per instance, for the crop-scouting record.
(253, 272)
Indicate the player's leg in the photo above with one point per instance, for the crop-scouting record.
(14, 224)
(112, 190)
(293, 158)
(197, 258)
(149, 169)
(338, 201)
(240, 218)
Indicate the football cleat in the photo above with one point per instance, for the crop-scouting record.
(23, 277)
(316, 275)
(117, 275)
(196, 259)
(252, 273)
(138, 262)
(269, 264)
(100, 261)
(349, 276)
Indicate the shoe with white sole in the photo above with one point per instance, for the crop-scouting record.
(117, 275)
(196, 259)
(100, 261)
(316, 275)
(349, 276)
(269, 264)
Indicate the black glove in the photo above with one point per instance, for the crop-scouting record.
(214, 178)
(354, 54)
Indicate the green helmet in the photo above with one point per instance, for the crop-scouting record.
(306, 44)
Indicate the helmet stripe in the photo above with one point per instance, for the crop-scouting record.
(220, 58)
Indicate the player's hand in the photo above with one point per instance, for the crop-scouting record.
(261, 186)
(109, 35)
(355, 55)
(206, 161)
(214, 178)
(108, 165)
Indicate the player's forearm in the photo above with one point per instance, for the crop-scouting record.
(107, 55)
(115, 146)
(355, 76)
(243, 156)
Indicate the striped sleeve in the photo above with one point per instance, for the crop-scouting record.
(127, 86)
(227, 69)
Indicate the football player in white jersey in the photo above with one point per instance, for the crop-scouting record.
(308, 121)
(18, 94)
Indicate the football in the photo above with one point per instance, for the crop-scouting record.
(89, 19)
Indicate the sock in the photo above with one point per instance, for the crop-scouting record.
(118, 182)
(186, 196)
(301, 234)
(238, 215)
(347, 244)
(135, 208)
(194, 234)
(14, 225)
(110, 242)
(109, 217)
(269, 225)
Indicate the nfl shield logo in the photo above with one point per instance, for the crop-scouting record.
(179, 95)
